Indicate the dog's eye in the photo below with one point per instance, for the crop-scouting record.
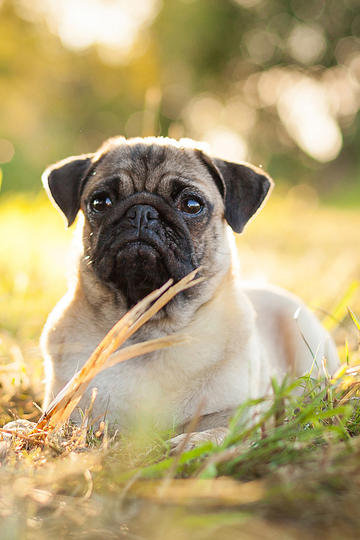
(100, 202)
(190, 205)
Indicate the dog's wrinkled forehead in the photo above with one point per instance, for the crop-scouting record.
(155, 165)
(149, 167)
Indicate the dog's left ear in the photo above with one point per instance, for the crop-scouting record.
(63, 182)
(243, 187)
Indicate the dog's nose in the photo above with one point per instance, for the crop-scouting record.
(142, 216)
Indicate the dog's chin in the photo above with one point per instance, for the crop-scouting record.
(137, 269)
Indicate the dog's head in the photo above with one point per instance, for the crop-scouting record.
(154, 208)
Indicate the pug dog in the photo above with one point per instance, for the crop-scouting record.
(153, 209)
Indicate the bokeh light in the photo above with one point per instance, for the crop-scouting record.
(307, 43)
(304, 112)
(257, 80)
(111, 25)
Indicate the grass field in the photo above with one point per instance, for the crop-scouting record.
(299, 478)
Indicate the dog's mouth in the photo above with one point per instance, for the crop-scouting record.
(138, 268)
(144, 245)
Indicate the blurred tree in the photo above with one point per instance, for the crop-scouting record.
(275, 82)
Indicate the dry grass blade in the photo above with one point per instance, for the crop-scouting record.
(31, 436)
(349, 383)
(65, 402)
(143, 348)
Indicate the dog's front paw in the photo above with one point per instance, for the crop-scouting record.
(9, 431)
(21, 426)
(188, 441)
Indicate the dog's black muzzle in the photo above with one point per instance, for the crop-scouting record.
(142, 242)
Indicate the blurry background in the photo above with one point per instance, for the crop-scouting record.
(274, 82)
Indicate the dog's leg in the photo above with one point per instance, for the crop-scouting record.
(210, 427)
(188, 441)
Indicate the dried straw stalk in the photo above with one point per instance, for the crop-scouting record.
(62, 406)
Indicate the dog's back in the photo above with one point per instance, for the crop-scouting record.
(294, 338)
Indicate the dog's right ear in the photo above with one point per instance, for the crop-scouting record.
(63, 182)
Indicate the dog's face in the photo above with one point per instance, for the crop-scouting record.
(154, 209)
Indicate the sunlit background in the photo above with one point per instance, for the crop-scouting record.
(274, 82)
